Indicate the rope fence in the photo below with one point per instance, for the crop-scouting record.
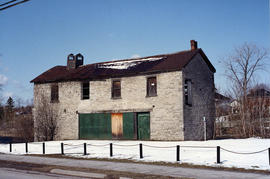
(75, 147)
(68, 146)
(94, 145)
(127, 145)
(159, 147)
(206, 147)
(244, 153)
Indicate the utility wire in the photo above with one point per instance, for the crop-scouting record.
(7, 3)
(14, 4)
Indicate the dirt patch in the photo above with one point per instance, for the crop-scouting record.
(185, 165)
(110, 174)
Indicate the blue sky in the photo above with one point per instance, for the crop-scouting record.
(38, 35)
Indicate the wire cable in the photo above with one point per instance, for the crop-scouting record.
(14, 4)
(7, 2)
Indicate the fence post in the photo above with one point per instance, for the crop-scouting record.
(26, 147)
(111, 150)
(62, 148)
(85, 152)
(43, 147)
(141, 151)
(218, 154)
(10, 147)
(269, 155)
(177, 153)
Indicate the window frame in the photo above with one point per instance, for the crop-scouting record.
(113, 89)
(148, 89)
(83, 88)
(54, 93)
(188, 92)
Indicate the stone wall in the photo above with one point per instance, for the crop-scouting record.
(69, 98)
(202, 94)
(166, 109)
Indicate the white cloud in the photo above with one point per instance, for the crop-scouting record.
(3, 79)
(7, 94)
(135, 56)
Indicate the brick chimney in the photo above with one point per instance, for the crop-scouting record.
(193, 44)
(74, 61)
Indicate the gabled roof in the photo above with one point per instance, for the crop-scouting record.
(119, 68)
(221, 97)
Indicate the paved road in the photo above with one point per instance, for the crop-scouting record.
(9, 173)
(136, 168)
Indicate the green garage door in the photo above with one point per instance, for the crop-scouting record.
(95, 126)
(128, 125)
(143, 126)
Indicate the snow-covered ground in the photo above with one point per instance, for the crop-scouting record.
(162, 151)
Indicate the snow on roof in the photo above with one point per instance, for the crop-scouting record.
(122, 65)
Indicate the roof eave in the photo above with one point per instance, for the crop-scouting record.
(106, 77)
(212, 68)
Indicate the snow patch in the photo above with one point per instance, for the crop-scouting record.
(161, 151)
(123, 65)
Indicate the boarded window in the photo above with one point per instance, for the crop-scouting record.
(151, 86)
(54, 93)
(117, 125)
(116, 89)
(187, 90)
(85, 90)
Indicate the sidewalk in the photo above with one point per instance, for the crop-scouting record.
(134, 168)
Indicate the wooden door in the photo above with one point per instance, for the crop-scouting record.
(117, 125)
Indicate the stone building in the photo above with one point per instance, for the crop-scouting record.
(161, 97)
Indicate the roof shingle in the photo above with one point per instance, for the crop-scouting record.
(151, 64)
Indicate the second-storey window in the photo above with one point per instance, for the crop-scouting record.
(54, 93)
(116, 89)
(187, 91)
(85, 90)
(151, 86)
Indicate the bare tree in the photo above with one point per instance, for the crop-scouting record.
(1, 104)
(46, 116)
(23, 121)
(24, 128)
(241, 67)
(258, 105)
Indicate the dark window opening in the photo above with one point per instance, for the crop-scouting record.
(187, 92)
(71, 57)
(152, 86)
(116, 89)
(85, 90)
(54, 93)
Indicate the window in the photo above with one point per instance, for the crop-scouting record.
(151, 86)
(85, 90)
(187, 91)
(116, 89)
(54, 93)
